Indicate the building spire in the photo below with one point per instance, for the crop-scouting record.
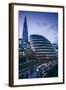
(25, 32)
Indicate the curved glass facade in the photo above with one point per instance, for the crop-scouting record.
(43, 49)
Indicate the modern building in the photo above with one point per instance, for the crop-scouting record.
(25, 34)
(43, 49)
(23, 43)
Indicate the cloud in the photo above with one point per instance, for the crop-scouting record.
(44, 24)
(54, 26)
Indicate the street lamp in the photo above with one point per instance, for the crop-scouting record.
(37, 70)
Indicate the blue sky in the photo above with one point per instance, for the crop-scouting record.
(42, 23)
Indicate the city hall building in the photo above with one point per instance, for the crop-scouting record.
(43, 49)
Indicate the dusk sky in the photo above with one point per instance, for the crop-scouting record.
(41, 23)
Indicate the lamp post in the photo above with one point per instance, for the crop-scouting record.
(37, 70)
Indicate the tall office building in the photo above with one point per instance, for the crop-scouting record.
(25, 33)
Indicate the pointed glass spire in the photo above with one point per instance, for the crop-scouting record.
(25, 32)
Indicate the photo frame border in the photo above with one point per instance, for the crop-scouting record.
(11, 43)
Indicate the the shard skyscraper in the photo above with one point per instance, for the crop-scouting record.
(25, 33)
